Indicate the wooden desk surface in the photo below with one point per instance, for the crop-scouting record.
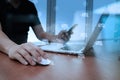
(105, 65)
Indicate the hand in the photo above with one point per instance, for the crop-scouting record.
(64, 35)
(24, 53)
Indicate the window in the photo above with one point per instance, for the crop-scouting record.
(57, 15)
(68, 13)
(112, 26)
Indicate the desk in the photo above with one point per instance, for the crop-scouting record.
(65, 67)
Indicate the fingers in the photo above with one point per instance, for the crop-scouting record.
(64, 35)
(21, 59)
(26, 56)
(42, 53)
(24, 53)
(34, 51)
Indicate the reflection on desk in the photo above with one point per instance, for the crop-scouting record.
(102, 66)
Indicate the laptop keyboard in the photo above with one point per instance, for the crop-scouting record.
(72, 47)
(66, 49)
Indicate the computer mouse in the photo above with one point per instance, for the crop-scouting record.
(43, 61)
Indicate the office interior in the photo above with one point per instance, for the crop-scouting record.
(57, 15)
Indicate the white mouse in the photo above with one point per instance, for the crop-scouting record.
(43, 61)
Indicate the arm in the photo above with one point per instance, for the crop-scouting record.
(23, 53)
(41, 34)
(5, 42)
(62, 37)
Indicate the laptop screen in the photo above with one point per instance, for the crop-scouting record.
(70, 49)
(99, 26)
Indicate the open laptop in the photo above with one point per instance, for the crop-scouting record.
(77, 47)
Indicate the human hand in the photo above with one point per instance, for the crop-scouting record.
(24, 53)
(64, 35)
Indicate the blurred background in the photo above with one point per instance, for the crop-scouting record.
(57, 15)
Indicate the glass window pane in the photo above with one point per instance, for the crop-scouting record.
(111, 30)
(110, 34)
(68, 13)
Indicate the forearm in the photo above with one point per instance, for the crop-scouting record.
(48, 36)
(5, 43)
(41, 34)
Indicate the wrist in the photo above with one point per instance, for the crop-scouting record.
(57, 39)
(9, 48)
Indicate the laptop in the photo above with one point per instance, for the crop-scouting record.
(77, 47)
